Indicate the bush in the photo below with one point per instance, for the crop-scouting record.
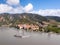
(53, 29)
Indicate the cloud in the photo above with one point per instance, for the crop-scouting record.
(17, 10)
(4, 8)
(8, 8)
(48, 12)
(28, 7)
(13, 2)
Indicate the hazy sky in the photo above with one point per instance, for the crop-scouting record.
(43, 7)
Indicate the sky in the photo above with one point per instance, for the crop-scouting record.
(42, 7)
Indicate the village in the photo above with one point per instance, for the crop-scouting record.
(41, 27)
(31, 27)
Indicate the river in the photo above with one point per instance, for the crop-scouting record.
(35, 38)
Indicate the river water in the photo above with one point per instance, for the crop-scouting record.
(35, 38)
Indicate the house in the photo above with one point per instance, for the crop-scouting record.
(45, 24)
(28, 26)
(20, 26)
(58, 26)
(34, 27)
(1, 19)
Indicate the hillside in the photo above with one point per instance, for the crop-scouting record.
(53, 18)
(14, 19)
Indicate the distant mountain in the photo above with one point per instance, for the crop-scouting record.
(53, 18)
(7, 18)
